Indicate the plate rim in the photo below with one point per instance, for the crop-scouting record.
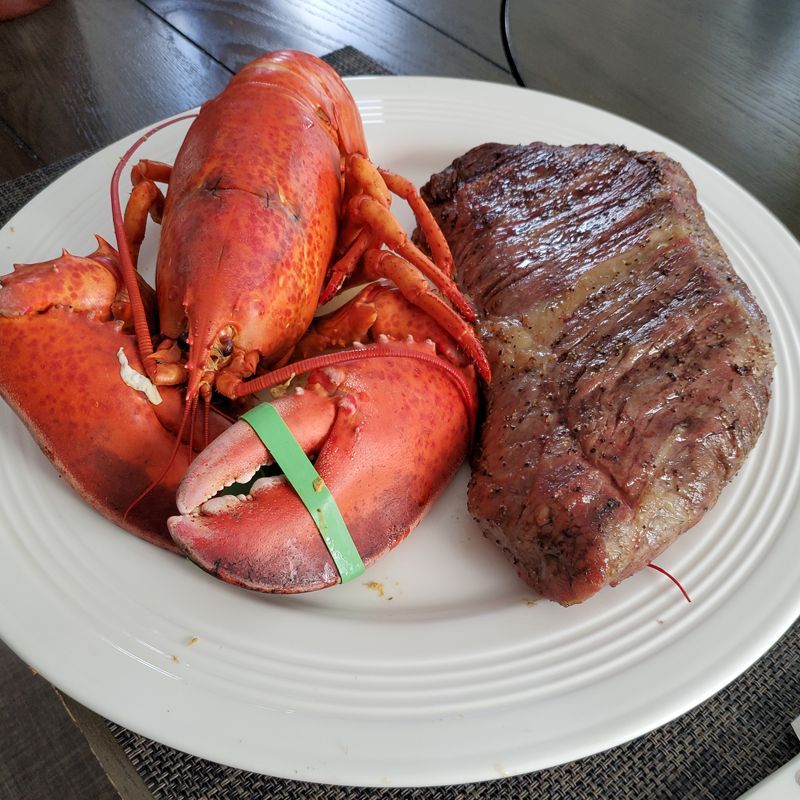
(769, 635)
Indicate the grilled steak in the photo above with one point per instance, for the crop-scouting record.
(631, 365)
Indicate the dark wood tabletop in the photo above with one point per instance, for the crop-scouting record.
(721, 77)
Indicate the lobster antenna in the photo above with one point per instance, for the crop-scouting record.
(283, 374)
(673, 579)
(192, 416)
(128, 270)
(176, 447)
(206, 415)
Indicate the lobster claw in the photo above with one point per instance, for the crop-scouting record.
(387, 436)
(60, 371)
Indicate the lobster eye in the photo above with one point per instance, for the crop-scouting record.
(183, 341)
(225, 345)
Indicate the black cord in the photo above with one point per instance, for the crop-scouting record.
(505, 34)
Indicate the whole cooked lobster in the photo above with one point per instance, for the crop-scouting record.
(272, 206)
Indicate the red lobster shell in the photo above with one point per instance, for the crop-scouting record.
(272, 206)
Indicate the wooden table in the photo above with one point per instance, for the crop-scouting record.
(721, 77)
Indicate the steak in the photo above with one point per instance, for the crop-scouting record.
(631, 365)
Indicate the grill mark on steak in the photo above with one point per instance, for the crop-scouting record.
(631, 366)
(534, 245)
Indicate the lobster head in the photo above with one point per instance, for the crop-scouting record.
(251, 216)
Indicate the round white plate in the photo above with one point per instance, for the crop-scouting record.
(445, 668)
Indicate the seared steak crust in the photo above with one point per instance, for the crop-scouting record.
(631, 365)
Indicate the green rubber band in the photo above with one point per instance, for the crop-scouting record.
(311, 489)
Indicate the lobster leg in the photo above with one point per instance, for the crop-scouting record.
(403, 187)
(369, 198)
(387, 229)
(350, 323)
(378, 184)
(377, 311)
(146, 169)
(145, 199)
(346, 265)
(383, 264)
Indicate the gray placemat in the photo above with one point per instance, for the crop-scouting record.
(715, 752)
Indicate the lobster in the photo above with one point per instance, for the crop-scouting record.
(272, 208)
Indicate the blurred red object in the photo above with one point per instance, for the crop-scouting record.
(9, 9)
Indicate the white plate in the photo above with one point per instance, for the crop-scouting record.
(456, 673)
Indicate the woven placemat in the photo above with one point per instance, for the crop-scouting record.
(715, 752)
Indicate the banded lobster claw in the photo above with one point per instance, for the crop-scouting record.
(387, 434)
